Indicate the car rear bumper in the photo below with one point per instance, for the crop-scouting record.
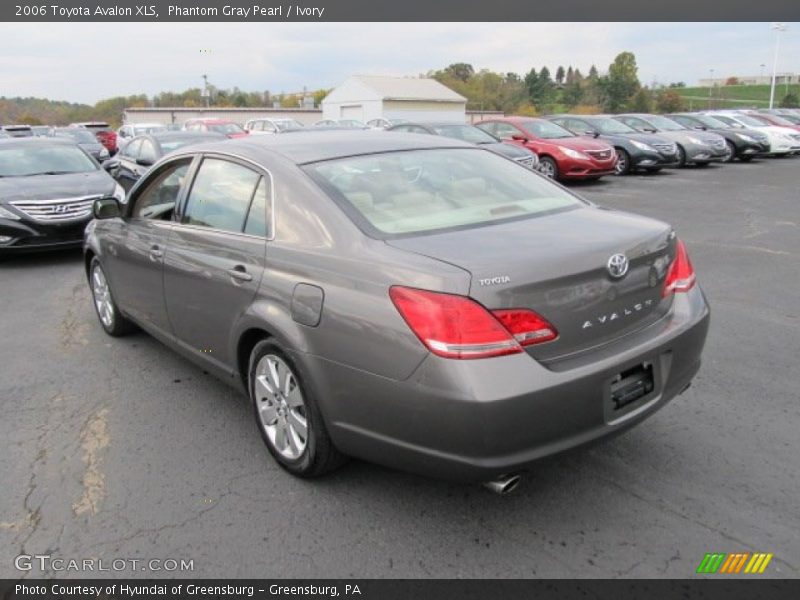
(476, 420)
(26, 236)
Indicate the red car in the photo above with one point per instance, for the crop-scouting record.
(776, 120)
(562, 154)
(226, 128)
(103, 132)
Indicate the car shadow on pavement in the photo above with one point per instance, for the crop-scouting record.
(34, 260)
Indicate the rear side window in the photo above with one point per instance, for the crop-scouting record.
(258, 217)
(221, 195)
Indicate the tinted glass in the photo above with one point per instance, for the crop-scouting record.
(665, 124)
(21, 160)
(225, 128)
(258, 217)
(220, 195)
(466, 133)
(546, 130)
(79, 135)
(157, 199)
(712, 122)
(611, 126)
(425, 190)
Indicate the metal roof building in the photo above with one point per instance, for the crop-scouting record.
(366, 97)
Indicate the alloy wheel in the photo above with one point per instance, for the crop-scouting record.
(102, 297)
(548, 169)
(622, 163)
(281, 407)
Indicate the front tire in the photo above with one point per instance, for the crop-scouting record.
(731, 155)
(623, 166)
(287, 415)
(681, 156)
(108, 313)
(548, 167)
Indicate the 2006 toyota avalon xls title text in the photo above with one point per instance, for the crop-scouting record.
(411, 300)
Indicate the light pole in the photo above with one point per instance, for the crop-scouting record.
(710, 86)
(779, 28)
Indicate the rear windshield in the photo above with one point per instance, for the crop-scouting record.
(79, 135)
(172, 145)
(467, 133)
(42, 159)
(405, 193)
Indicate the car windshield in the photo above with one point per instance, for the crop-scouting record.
(225, 128)
(466, 133)
(43, 159)
(79, 135)
(664, 124)
(776, 120)
(610, 126)
(145, 129)
(793, 119)
(546, 130)
(411, 192)
(354, 123)
(728, 121)
(711, 122)
(397, 121)
(750, 121)
(288, 125)
(172, 145)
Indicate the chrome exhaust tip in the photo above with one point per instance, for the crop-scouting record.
(504, 484)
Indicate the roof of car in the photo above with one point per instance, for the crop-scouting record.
(314, 146)
(166, 136)
(514, 119)
(210, 121)
(38, 140)
(434, 124)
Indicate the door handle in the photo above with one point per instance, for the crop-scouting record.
(238, 273)
(156, 253)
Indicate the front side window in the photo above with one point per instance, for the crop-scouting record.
(637, 124)
(220, 196)
(505, 131)
(157, 199)
(402, 193)
(546, 130)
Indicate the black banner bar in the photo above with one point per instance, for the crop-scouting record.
(362, 589)
(396, 10)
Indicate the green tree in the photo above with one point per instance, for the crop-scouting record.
(669, 101)
(570, 75)
(642, 101)
(573, 94)
(560, 74)
(461, 71)
(621, 83)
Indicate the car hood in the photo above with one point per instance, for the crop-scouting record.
(52, 187)
(580, 143)
(511, 151)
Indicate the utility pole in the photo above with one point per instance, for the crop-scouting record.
(710, 86)
(778, 28)
(206, 94)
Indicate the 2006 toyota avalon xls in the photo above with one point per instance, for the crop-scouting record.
(411, 300)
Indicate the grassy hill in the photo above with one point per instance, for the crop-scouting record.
(734, 96)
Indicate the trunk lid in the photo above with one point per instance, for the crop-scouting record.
(557, 265)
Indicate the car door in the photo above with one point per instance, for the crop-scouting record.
(216, 253)
(127, 171)
(136, 260)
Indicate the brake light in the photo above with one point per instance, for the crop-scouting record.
(526, 326)
(458, 327)
(680, 276)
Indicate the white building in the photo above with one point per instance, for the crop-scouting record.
(366, 97)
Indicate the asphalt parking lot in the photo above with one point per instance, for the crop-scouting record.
(119, 448)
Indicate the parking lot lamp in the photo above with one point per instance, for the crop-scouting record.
(779, 28)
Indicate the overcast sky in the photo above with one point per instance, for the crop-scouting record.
(85, 62)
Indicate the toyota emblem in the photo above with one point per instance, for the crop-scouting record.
(617, 266)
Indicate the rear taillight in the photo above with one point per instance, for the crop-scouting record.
(680, 276)
(458, 327)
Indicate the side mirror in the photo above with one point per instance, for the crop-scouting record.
(593, 133)
(110, 164)
(144, 162)
(701, 127)
(649, 129)
(518, 137)
(107, 208)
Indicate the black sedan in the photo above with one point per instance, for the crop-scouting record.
(743, 144)
(85, 139)
(47, 188)
(634, 150)
(473, 135)
(143, 151)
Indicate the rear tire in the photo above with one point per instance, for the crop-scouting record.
(287, 414)
(745, 158)
(108, 312)
(623, 166)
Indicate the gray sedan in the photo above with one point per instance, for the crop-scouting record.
(694, 147)
(411, 300)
